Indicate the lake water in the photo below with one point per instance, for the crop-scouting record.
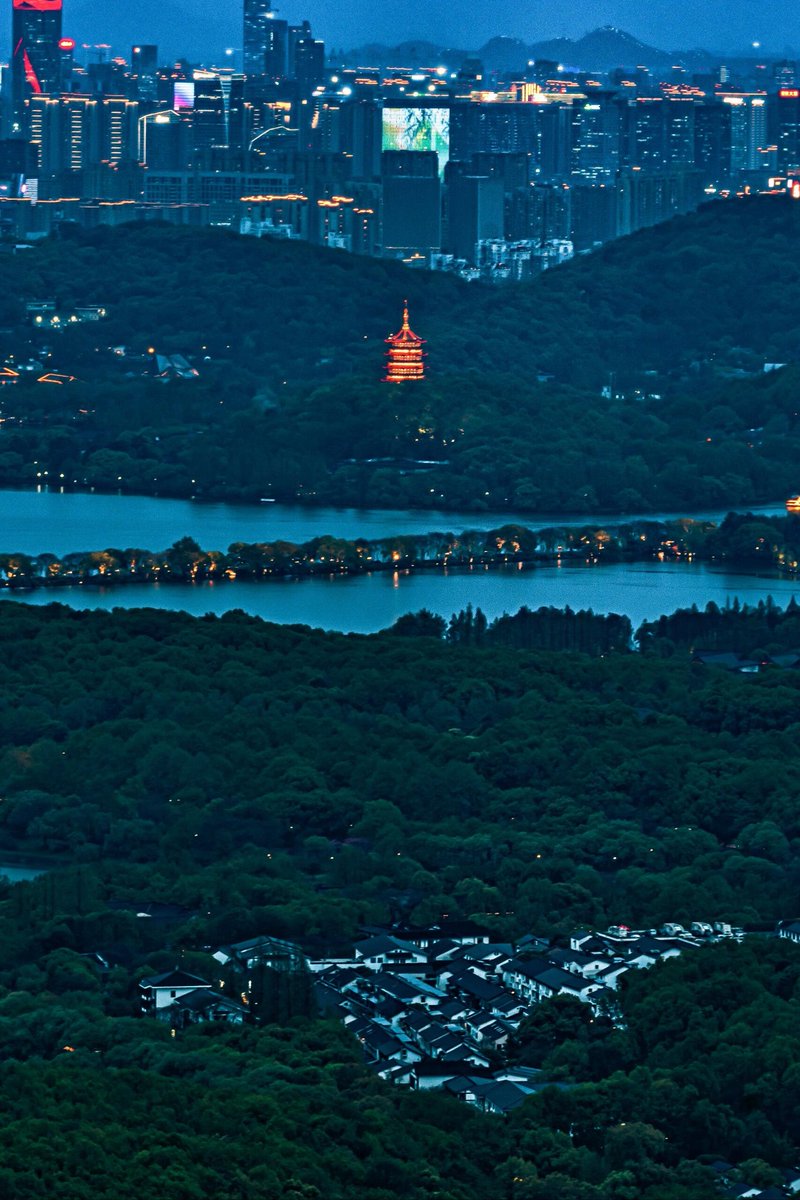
(367, 603)
(39, 522)
(35, 522)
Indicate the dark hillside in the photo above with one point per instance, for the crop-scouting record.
(629, 379)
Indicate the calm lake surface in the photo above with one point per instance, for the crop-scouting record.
(367, 603)
(35, 522)
(39, 522)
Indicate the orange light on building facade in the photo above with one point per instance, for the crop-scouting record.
(405, 358)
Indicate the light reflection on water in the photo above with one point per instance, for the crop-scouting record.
(34, 522)
(365, 604)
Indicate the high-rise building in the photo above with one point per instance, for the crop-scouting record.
(144, 69)
(165, 139)
(561, 129)
(788, 123)
(309, 65)
(595, 217)
(600, 136)
(119, 119)
(266, 40)
(412, 203)
(679, 131)
(785, 73)
(646, 133)
(748, 130)
(713, 137)
(275, 58)
(476, 213)
(494, 129)
(66, 132)
(144, 58)
(362, 136)
(540, 212)
(295, 34)
(36, 58)
(219, 117)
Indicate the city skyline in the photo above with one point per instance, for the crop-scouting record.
(685, 24)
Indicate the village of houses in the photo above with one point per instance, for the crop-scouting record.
(435, 1008)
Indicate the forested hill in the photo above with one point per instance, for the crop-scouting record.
(256, 780)
(727, 276)
(675, 323)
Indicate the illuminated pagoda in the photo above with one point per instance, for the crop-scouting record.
(405, 358)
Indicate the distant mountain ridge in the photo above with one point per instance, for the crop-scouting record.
(171, 25)
(603, 49)
(599, 50)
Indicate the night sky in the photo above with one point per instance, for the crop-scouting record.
(670, 24)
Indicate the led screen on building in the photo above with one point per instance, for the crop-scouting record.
(183, 96)
(418, 129)
(39, 5)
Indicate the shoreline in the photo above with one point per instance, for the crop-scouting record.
(535, 518)
(296, 573)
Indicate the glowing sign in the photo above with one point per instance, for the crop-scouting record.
(789, 93)
(30, 74)
(418, 129)
(183, 96)
(67, 45)
(39, 5)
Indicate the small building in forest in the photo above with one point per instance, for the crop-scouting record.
(159, 992)
(790, 930)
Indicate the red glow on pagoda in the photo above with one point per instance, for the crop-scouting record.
(405, 358)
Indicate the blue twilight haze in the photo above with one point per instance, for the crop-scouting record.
(203, 27)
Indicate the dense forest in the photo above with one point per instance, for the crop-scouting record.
(628, 381)
(254, 779)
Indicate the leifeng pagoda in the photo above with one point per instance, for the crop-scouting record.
(405, 358)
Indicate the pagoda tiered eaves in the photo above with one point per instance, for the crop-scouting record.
(405, 358)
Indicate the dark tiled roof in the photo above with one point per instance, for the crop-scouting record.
(505, 1096)
(579, 957)
(174, 979)
(383, 944)
(555, 978)
(529, 968)
(201, 1000)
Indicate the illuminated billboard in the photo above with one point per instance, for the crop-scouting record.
(39, 5)
(418, 129)
(183, 96)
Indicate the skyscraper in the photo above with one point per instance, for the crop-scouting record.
(144, 69)
(600, 136)
(65, 133)
(266, 40)
(219, 118)
(788, 122)
(309, 65)
(476, 214)
(412, 203)
(36, 61)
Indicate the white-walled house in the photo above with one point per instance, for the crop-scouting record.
(159, 992)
